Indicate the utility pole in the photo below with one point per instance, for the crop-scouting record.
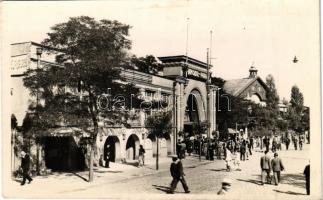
(39, 52)
(207, 102)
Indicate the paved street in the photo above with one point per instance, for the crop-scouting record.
(204, 179)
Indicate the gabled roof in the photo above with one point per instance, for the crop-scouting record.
(235, 87)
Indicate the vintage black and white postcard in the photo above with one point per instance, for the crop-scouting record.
(181, 99)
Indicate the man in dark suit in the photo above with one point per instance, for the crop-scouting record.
(265, 167)
(307, 178)
(177, 172)
(277, 166)
(25, 165)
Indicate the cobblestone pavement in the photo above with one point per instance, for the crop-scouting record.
(204, 179)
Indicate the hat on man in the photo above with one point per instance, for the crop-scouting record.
(227, 181)
(174, 156)
(22, 153)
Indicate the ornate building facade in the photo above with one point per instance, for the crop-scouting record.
(182, 82)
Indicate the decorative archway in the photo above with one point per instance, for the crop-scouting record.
(132, 147)
(112, 146)
(194, 112)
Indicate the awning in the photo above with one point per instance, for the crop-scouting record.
(66, 131)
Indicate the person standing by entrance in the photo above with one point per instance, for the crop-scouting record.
(25, 166)
(141, 156)
(177, 172)
(265, 168)
(277, 166)
(107, 157)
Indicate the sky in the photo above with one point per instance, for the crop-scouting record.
(265, 33)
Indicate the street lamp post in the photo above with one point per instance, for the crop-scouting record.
(207, 103)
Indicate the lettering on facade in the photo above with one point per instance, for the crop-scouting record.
(195, 73)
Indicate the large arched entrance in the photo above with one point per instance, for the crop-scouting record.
(194, 112)
(63, 154)
(132, 147)
(112, 146)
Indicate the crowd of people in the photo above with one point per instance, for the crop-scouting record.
(238, 149)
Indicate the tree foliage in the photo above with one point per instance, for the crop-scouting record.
(147, 64)
(271, 95)
(160, 123)
(297, 115)
(89, 55)
(296, 99)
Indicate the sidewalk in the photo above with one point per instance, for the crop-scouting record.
(60, 183)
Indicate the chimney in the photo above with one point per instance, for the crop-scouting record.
(252, 72)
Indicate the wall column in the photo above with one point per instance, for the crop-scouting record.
(212, 108)
(141, 112)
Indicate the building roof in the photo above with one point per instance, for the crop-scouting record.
(235, 87)
(182, 58)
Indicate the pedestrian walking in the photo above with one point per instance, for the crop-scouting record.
(300, 143)
(307, 178)
(265, 168)
(189, 147)
(277, 166)
(287, 142)
(228, 160)
(251, 144)
(295, 143)
(226, 186)
(141, 156)
(243, 151)
(177, 172)
(25, 166)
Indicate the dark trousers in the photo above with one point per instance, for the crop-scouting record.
(265, 174)
(307, 186)
(243, 156)
(276, 177)
(175, 181)
(25, 175)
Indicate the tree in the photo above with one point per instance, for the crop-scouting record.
(89, 54)
(147, 64)
(159, 124)
(295, 111)
(296, 99)
(272, 96)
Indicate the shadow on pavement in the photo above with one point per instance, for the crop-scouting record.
(289, 192)
(162, 188)
(218, 170)
(106, 171)
(81, 177)
(257, 182)
(297, 180)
